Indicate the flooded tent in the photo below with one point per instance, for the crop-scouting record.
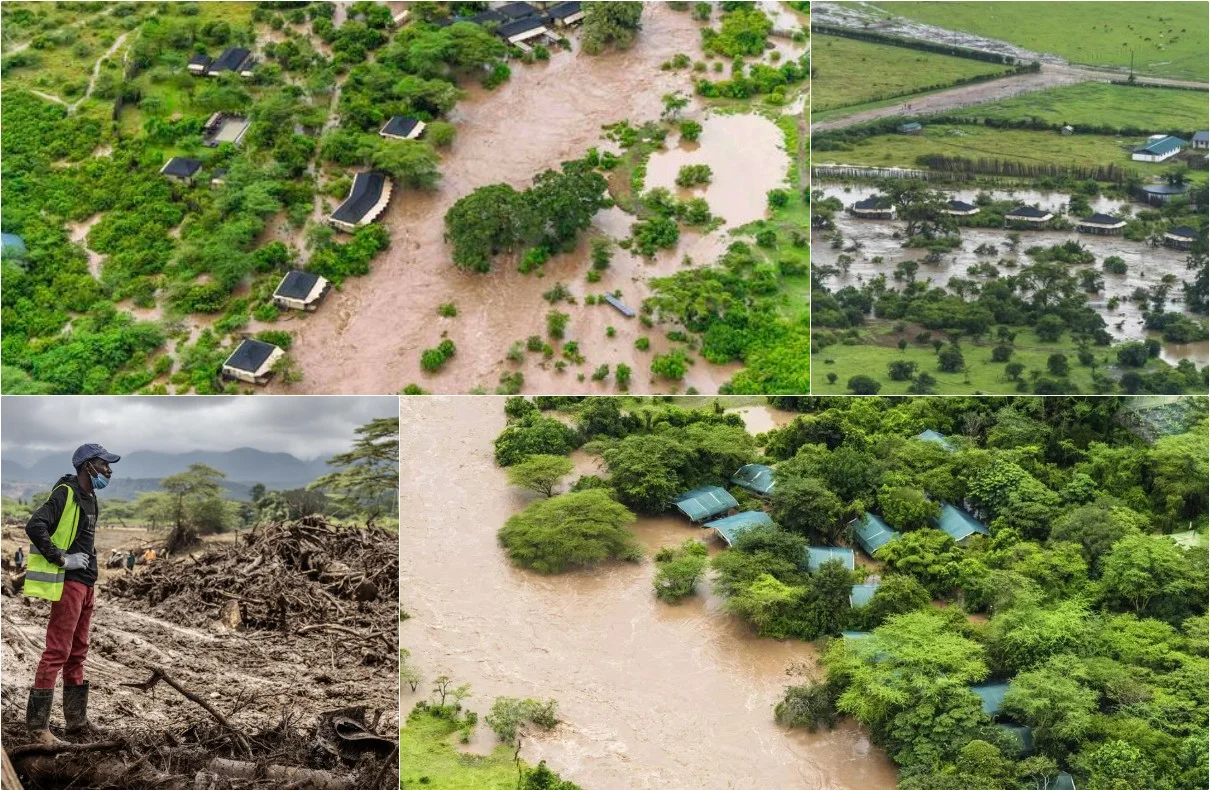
(234, 59)
(566, 14)
(402, 127)
(518, 31)
(959, 524)
(757, 478)
(619, 305)
(992, 696)
(1159, 194)
(517, 10)
(219, 177)
(861, 594)
(368, 198)
(871, 532)
(181, 168)
(299, 290)
(705, 502)
(732, 527)
(1181, 237)
(873, 208)
(958, 208)
(1101, 224)
(817, 556)
(1027, 217)
(252, 361)
(929, 435)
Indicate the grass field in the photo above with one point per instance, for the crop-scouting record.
(979, 142)
(1099, 103)
(982, 375)
(428, 758)
(846, 72)
(1169, 39)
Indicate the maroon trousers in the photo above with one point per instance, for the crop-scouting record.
(66, 637)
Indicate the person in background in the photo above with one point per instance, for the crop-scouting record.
(130, 558)
(62, 569)
(19, 558)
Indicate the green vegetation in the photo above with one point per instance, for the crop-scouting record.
(1095, 617)
(540, 473)
(848, 72)
(1100, 104)
(577, 529)
(1168, 39)
(678, 570)
(609, 24)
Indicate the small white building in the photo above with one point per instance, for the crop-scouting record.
(401, 127)
(368, 198)
(299, 290)
(1158, 148)
(252, 361)
(1201, 140)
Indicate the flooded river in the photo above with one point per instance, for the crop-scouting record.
(651, 695)
(369, 336)
(1146, 265)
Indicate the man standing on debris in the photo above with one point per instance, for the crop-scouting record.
(62, 569)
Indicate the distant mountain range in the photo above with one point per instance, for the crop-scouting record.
(143, 470)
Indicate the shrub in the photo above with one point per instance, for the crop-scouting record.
(690, 130)
(573, 530)
(671, 365)
(433, 359)
(556, 324)
(447, 310)
(692, 175)
(864, 385)
(778, 198)
(1002, 353)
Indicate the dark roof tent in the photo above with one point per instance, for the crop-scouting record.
(367, 189)
(517, 26)
(297, 284)
(1165, 189)
(517, 10)
(1184, 231)
(231, 59)
(182, 167)
(1102, 219)
(200, 60)
(400, 125)
(250, 355)
(1027, 211)
(872, 203)
(958, 205)
(564, 10)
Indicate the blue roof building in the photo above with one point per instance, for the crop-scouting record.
(12, 246)
(732, 527)
(929, 435)
(1158, 148)
(757, 478)
(705, 502)
(861, 594)
(818, 555)
(959, 524)
(871, 532)
(992, 695)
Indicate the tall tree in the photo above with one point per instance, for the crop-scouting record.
(367, 476)
(606, 23)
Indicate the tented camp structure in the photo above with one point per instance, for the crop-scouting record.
(871, 532)
(757, 478)
(959, 524)
(732, 527)
(402, 127)
(368, 198)
(861, 594)
(705, 502)
(299, 290)
(252, 361)
(929, 435)
(818, 556)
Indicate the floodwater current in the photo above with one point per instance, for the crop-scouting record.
(368, 337)
(651, 695)
(1146, 265)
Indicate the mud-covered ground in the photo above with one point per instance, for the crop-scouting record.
(274, 688)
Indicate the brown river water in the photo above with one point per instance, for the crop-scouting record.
(651, 695)
(368, 337)
(1146, 265)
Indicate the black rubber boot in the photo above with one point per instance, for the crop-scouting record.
(75, 710)
(37, 716)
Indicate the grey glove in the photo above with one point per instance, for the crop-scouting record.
(75, 562)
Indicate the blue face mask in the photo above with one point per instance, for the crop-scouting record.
(99, 481)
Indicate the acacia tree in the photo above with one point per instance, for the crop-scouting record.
(606, 23)
(196, 487)
(540, 473)
(367, 476)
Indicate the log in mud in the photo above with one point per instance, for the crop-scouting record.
(266, 662)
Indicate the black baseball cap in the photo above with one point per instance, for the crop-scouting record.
(86, 452)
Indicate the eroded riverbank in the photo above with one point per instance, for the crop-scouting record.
(652, 695)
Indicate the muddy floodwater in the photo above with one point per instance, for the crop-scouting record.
(1145, 265)
(368, 336)
(651, 695)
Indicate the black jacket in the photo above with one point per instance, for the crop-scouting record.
(46, 518)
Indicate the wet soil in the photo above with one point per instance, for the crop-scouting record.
(1146, 265)
(651, 695)
(368, 336)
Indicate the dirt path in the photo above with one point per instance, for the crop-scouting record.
(96, 71)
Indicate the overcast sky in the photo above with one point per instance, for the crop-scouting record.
(307, 427)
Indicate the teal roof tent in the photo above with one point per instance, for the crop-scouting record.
(731, 527)
(13, 246)
(929, 435)
(1024, 736)
(755, 477)
(705, 502)
(1063, 781)
(818, 555)
(992, 695)
(861, 594)
(854, 634)
(959, 524)
(871, 532)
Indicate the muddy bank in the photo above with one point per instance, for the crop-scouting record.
(1146, 265)
(652, 696)
(368, 337)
